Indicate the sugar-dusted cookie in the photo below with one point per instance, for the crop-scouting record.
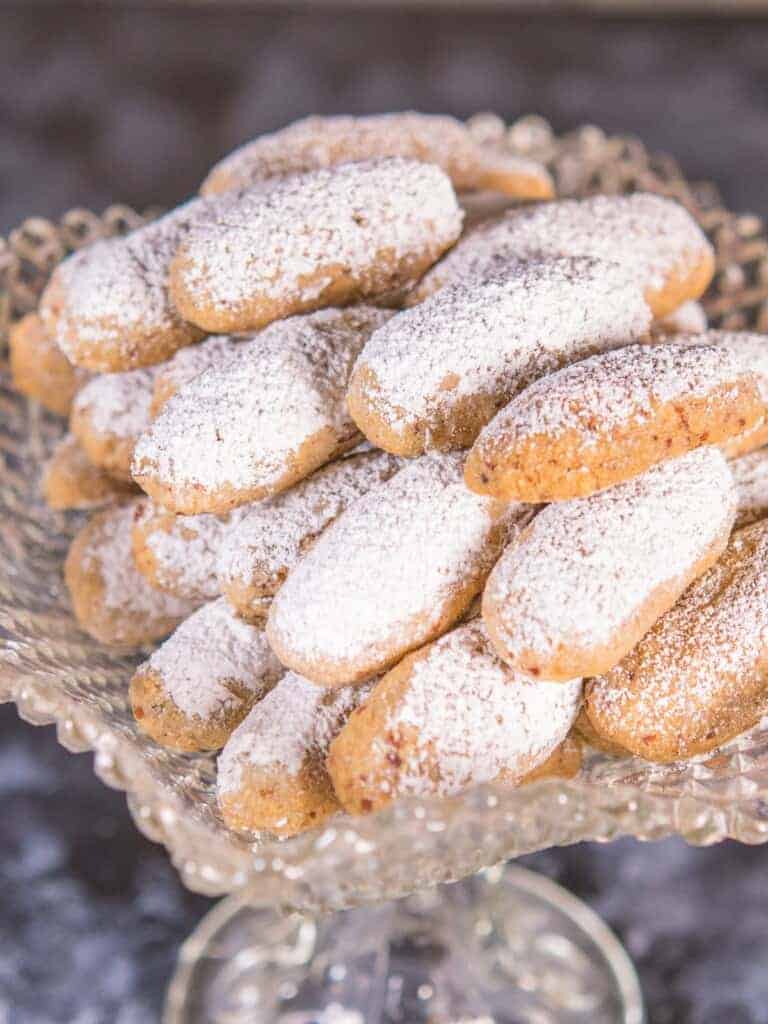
(689, 318)
(588, 578)
(393, 572)
(449, 716)
(107, 305)
(71, 481)
(109, 414)
(256, 557)
(606, 419)
(699, 677)
(359, 231)
(189, 362)
(39, 369)
(433, 376)
(563, 763)
(179, 554)
(584, 729)
(260, 422)
(272, 771)
(750, 474)
(321, 142)
(202, 682)
(656, 240)
(111, 599)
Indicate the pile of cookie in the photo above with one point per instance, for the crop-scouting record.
(417, 505)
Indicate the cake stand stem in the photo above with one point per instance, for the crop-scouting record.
(505, 947)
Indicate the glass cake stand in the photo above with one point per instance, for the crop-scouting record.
(345, 925)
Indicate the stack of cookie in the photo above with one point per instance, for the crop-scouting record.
(415, 506)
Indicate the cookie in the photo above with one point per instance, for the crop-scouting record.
(393, 572)
(255, 558)
(750, 474)
(584, 729)
(588, 578)
(698, 678)
(433, 376)
(109, 414)
(111, 599)
(71, 481)
(202, 682)
(39, 369)
(564, 763)
(357, 232)
(659, 244)
(262, 421)
(188, 362)
(689, 318)
(271, 773)
(323, 142)
(179, 554)
(107, 305)
(604, 420)
(448, 717)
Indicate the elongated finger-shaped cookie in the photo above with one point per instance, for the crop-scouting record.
(448, 717)
(320, 142)
(588, 578)
(357, 232)
(271, 773)
(260, 551)
(699, 677)
(39, 369)
(606, 419)
(433, 376)
(656, 240)
(107, 305)
(264, 420)
(111, 599)
(189, 362)
(393, 572)
(179, 554)
(109, 414)
(750, 474)
(71, 481)
(202, 682)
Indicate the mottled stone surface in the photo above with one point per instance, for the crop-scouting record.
(98, 105)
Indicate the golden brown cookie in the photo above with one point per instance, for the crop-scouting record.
(393, 572)
(433, 376)
(750, 473)
(604, 420)
(588, 578)
(71, 481)
(585, 730)
(111, 599)
(450, 716)
(267, 543)
(564, 763)
(699, 677)
(323, 142)
(202, 682)
(357, 232)
(39, 369)
(188, 362)
(656, 241)
(264, 420)
(272, 770)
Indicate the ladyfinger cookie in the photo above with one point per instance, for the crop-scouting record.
(256, 557)
(202, 682)
(356, 232)
(260, 422)
(271, 773)
(656, 241)
(433, 376)
(750, 474)
(323, 142)
(109, 414)
(71, 481)
(111, 599)
(698, 678)
(39, 369)
(394, 571)
(189, 362)
(448, 717)
(581, 585)
(604, 420)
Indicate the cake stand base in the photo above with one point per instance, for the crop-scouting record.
(505, 947)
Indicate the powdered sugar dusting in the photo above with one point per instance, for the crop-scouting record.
(749, 349)
(689, 318)
(584, 567)
(188, 362)
(750, 472)
(208, 651)
(117, 404)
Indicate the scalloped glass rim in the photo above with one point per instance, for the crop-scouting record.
(56, 674)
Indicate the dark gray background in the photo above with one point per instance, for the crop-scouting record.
(98, 105)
